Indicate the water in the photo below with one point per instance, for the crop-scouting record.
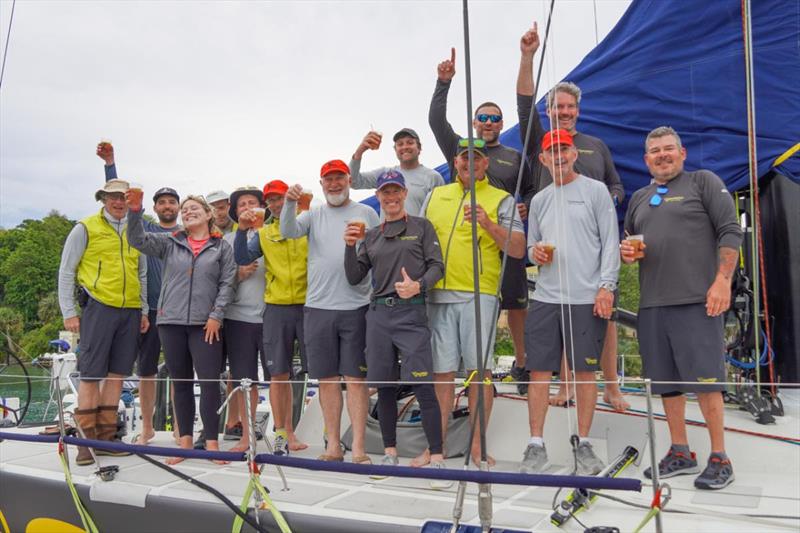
(13, 384)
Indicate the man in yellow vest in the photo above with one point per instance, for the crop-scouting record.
(451, 303)
(285, 271)
(112, 292)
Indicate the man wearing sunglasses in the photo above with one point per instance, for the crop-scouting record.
(503, 169)
(594, 161)
(451, 310)
(688, 223)
(419, 179)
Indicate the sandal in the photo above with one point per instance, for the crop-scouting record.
(362, 460)
(330, 458)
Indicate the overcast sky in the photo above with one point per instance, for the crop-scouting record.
(207, 95)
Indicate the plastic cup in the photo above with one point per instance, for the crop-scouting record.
(549, 249)
(304, 202)
(362, 226)
(136, 193)
(637, 242)
(260, 213)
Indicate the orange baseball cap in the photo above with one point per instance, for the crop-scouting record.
(335, 165)
(556, 137)
(275, 187)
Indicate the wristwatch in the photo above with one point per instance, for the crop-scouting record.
(610, 286)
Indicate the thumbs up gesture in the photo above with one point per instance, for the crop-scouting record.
(408, 288)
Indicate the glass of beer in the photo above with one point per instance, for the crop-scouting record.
(637, 242)
(362, 226)
(260, 213)
(304, 202)
(548, 249)
(137, 193)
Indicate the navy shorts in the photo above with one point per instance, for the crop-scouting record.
(243, 345)
(514, 292)
(283, 325)
(109, 340)
(552, 330)
(149, 348)
(682, 343)
(335, 342)
(398, 344)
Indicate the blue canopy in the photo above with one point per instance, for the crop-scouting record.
(681, 64)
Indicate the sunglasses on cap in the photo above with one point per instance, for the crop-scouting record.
(494, 119)
(476, 143)
(657, 199)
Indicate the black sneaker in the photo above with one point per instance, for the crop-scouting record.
(520, 374)
(717, 475)
(233, 432)
(200, 443)
(675, 463)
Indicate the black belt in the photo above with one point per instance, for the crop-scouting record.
(391, 301)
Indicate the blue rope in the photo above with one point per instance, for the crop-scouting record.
(474, 476)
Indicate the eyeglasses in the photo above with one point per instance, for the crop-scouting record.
(657, 199)
(476, 143)
(483, 117)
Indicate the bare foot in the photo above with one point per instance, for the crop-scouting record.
(213, 446)
(476, 458)
(295, 445)
(145, 437)
(560, 398)
(614, 397)
(184, 443)
(422, 459)
(174, 460)
(240, 447)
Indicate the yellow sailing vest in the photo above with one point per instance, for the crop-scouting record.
(286, 266)
(446, 212)
(109, 268)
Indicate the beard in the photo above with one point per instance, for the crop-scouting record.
(167, 217)
(337, 199)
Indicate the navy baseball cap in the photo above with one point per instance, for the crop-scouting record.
(166, 191)
(390, 177)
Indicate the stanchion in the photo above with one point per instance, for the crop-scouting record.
(652, 441)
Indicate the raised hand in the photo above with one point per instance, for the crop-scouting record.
(529, 43)
(408, 288)
(105, 151)
(133, 200)
(352, 233)
(294, 192)
(371, 141)
(447, 68)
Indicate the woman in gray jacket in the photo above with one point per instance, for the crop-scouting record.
(197, 283)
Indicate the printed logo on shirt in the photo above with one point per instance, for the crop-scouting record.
(408, 237)
(674, 199)
(707, 380)
(362, 368)
(419, 374)
(726, 191)
(504, 162)
(576, 202)
(583, 151)
(590, 360)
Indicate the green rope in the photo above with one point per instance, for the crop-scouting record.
(254, 484)
(88, 524)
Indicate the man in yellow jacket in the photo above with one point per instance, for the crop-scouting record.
(112, 293)
(451, 301)
(285, 262)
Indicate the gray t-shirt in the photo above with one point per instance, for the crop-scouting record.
(420, 181)
(594, 157)
(683, 234)
(579, 219)
(328, 287)
(247, 304)
(507, 216)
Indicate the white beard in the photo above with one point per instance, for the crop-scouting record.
(337, 199)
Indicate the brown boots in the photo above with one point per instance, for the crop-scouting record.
(107, 429)
(86, 419)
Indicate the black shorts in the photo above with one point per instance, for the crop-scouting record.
(335, 342)
(283, 325)
(682, 343)
(398, 344)
(109, 340)
(243, 345)
(149, 348)
(547, 327)
(514, 292)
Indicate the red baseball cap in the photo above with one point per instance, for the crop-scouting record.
(275, 187)
(556, 137)
(335, 165)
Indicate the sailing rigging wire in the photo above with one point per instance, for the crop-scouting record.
(8, 39)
